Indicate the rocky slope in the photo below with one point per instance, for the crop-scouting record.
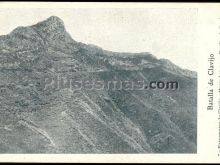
(60, 120)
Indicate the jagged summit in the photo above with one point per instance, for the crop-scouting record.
(53, 32)
(53, 26)
(52, 21)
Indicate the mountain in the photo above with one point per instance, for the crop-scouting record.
(40, 113)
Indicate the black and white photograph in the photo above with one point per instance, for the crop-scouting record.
(105, 80)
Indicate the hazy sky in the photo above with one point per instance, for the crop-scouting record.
(166, 33)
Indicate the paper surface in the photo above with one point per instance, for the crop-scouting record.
(109, 82)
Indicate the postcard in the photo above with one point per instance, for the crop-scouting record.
(109, 82)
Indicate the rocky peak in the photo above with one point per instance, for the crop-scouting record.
(52, 23)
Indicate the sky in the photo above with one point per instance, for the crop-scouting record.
(165, 33)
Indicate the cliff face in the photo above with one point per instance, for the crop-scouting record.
(35, 119)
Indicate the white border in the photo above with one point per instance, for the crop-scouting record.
(208, 39)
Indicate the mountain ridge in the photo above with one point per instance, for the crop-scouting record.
(58, 25)
(61, 120)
